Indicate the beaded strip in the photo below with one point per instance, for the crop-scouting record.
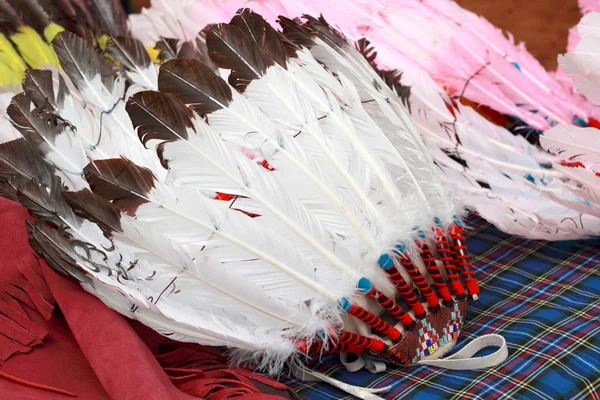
(366, 287)
(445, 256)
(462, 259)
(387, 264)
(453, 253)
(418, 278)
(434, 271)
(378, 325)
(346, 342)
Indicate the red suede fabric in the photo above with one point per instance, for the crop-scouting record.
(89, 350)
(121, 361)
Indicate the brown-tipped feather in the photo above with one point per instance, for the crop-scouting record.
(263, 34)
(120, 181)
(159, 116)
(230, 47)
(94, 208)
(39, 87)
(102, 17)
(52, 246)
(320, 28)
(35, 124)
(194, 84)
(128, 51)
(197, 49)
(10, 20)
(189, 49)
(297, 33)
(390, 77)
(82, 62)
(71, 15)
(19, 158)
(167, 48)
(33, 14)
(45, 202)
(109, 17)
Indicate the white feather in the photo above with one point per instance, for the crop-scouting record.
(574, 144)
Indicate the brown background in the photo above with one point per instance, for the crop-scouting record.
(541, 24)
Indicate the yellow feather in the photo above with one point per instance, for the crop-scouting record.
(102, 42)
(8, 76)
(12, 67)
(52, 30)
(153, 53)
(34, 50)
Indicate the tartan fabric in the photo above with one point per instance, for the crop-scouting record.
(543, 297)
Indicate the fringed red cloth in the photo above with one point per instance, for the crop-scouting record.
(203, 372)
(88, 350)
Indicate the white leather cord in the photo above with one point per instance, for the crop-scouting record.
(462, 360)
(304, 374)
(360, 363)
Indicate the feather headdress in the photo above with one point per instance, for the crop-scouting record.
(512, 183)
(277, 199)
(578, 148)
(495, 173)
(462, 51)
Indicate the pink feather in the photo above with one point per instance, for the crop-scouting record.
(428, 32)
(587, 6)
(529, 85)
(573, 39)
(575, 145)
(444, 39)
(438, 39)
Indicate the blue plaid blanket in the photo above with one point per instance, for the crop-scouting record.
(543, 297)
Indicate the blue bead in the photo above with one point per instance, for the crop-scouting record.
(385, 261)
(344, 304)
(437, 221)
(365, 285)
(401, 248)
(529, 178)
(420, 233)
(580, 121)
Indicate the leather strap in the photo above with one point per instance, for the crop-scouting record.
(304, 374)
(360, 363)
(462, 360)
